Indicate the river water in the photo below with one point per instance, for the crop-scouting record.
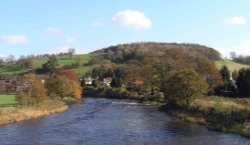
(112, 122)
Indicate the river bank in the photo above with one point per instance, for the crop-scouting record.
(216, 113)
(15, 114)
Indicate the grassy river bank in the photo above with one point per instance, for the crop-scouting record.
(14, 113)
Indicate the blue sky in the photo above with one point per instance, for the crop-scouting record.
(38, 27)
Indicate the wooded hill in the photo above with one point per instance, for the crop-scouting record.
(136, 51)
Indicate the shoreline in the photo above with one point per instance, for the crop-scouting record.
(211, 121)
(11, 115)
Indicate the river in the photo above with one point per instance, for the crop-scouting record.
(112, 122)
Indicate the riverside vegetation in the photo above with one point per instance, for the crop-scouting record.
(182, 78)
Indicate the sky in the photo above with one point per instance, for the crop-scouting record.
(31, 27)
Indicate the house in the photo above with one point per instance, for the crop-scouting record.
(88, 80)
(106, 81)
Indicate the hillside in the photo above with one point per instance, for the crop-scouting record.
(119, 54)
(63, 60)
(230, 64)
(136, 51)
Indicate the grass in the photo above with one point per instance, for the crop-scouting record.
(221, 104)
(14, 114)
(230, 64)
(8, 101)
(63, 60)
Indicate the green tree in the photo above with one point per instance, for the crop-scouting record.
(225, 73)
(229, 84)
(243, 82)
(52, 64)
(116, 82)
(31, 91)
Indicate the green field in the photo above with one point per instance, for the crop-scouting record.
(8, 101)
(230, 64)
(63, 60)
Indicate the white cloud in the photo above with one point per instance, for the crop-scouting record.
(97, 24)
(132, 19)
(70, 40)
(53, 31)
(236, 20)
(14, 39)
(2, 56)
(242, 48)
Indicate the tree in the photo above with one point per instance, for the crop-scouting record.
(183, 86)
(225, 73)
(32, 90)
(10, 59)
(64, 84)
(68, 74)
(243, 82)
(116, 83)
(149, 74)
(52, 64)
(26, 62)
(71, 52)
(59, 87)
(235, 74)
(207, 69)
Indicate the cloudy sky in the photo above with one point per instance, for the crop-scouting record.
(52, 26)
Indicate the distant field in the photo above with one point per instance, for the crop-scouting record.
(8, 101)
(230, 64)
(64, 60)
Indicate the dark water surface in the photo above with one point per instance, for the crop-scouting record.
(112, 122)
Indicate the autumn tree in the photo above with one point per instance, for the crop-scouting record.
(173, 60)
(31, 91)
(64, 84)
(183, 86)
(149, 74)
(207, 69)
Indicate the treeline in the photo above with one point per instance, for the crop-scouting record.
(34, 89)
(236, 83)
(240, 58)
(53, 83)
(27, 61)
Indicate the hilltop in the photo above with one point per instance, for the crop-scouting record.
(136, 51)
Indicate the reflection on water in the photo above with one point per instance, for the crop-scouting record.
(112, 122)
